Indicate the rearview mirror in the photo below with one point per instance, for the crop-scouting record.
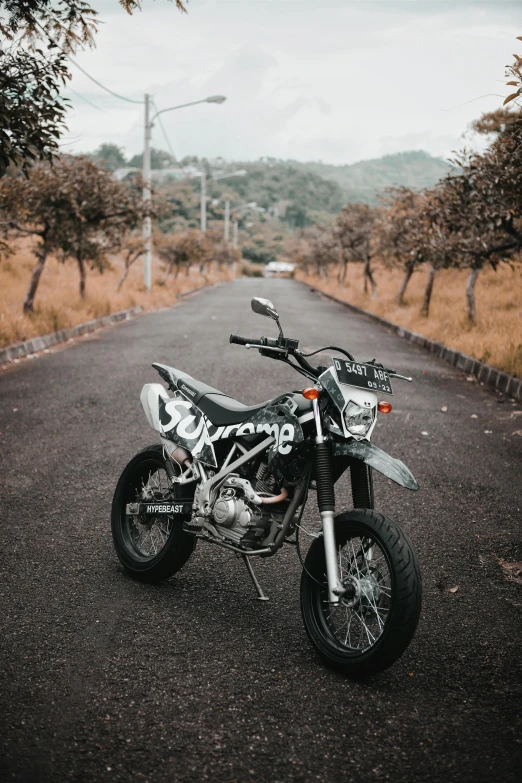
(264, 307)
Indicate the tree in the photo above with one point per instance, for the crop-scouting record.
(479, 211)
(221, 252)
(514, 74)
(98, 213)
(132, 250)
(109, 156)
(32, 114)
(315, 247)
(34, 69)
(297, 217)
(31, 207)
(258, 254)
(494, 121)
(354, 227)
(159, 159)
(76, 210)
(407, 235)
(397, 233)
(179, 251)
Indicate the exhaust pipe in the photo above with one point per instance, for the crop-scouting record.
(181, 456)
(275, 498)
(177, 453)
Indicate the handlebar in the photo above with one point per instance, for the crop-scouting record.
(265, 342)
(290, 347)
(235, 339)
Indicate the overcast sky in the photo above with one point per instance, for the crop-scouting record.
(331, 80)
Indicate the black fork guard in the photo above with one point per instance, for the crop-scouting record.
(376, 458)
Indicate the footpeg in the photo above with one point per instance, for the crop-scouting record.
(192, 526)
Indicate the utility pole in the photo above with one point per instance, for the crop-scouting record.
(227, 220)
(203, 207)
(237, 211)
(203, 201)
(147, 228)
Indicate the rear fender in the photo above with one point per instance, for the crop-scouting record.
(176, 419)
(377, 459)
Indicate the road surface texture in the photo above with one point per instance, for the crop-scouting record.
(107, 679)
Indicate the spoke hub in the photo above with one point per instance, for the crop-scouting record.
(351, 594)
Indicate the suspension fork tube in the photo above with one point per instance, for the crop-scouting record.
(326, 502)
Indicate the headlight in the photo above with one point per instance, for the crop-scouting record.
(358, 420)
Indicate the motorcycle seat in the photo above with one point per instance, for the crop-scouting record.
(221, 409)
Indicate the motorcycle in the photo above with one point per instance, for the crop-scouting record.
(239, 477)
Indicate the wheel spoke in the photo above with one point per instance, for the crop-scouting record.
(360, 618)
(149, 535)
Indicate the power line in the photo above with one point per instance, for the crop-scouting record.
(478, 98)
(83, 98)
(169, 145)
(111, 92)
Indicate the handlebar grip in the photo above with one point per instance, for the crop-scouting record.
(235, 339)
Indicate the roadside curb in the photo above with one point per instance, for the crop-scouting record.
(199, 288)
(485, 373)
(37, 344)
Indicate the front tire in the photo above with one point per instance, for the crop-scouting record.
(376, 620)
(150, 548)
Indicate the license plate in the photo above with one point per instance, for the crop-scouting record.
(154, 509)
(364, 376)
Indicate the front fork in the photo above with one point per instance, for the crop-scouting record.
(326, 503)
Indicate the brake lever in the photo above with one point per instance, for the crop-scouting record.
(268, 348)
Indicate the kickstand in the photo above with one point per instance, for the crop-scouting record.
(260, 595)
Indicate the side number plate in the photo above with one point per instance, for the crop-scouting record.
(364, 376)
(154, 509)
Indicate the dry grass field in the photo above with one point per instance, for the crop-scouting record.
(58, 304)
(497, 337)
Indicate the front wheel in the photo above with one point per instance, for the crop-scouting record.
(376, 618)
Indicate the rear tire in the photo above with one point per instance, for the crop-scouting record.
(375, 623)
(172, 545)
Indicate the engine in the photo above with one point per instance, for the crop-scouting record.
(237, 512)
(242, 514)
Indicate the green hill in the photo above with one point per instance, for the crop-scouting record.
(291, 194)
(299, 193)
(363, 181)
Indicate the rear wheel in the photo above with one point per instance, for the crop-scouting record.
(375, 620)
(151, 548)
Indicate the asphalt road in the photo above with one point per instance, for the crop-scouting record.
(106, 679)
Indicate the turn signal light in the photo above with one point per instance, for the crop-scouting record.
(311, 394)
(384, 407)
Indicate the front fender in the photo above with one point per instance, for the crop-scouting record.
(377, 459)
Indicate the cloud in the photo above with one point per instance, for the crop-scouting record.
(335, 80)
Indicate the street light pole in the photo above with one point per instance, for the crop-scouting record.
(237, 210)
(227, 220)
(203, 210)
(203, 175)
(147, 226)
